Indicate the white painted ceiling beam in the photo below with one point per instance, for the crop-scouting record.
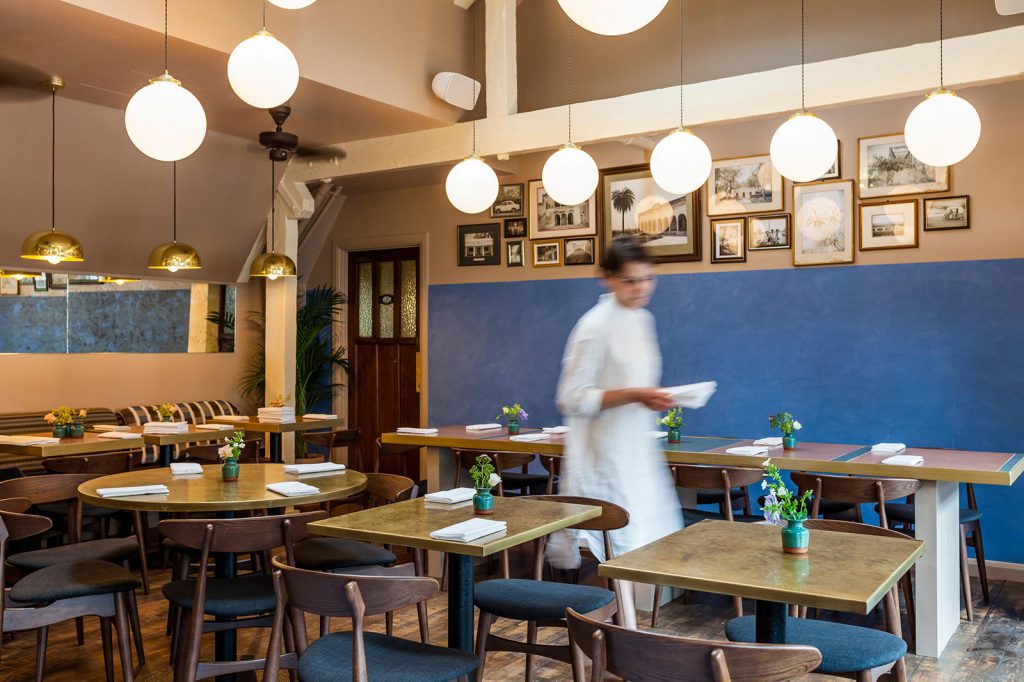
(502, 87)
(886, 74)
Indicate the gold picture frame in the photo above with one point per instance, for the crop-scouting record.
(886, 168)
(823, 223)
(742, 185)
(888, 225)
(542, 250)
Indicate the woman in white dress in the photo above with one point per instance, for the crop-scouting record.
(609, 395)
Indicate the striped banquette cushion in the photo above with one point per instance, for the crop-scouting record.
(18, 423)
(198, 412)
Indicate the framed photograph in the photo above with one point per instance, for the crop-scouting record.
(9, 286)
(58, 280)
(947, 213)
(515, 228)
(547, 253)
(886, 168)
(550, 219)
(835, 172)
(509, 203)
(514, 254)
(579, 251)
(823, 223)
(769, 232)
(479, 244)
(669, 225)
(748, 184)
(888, 225)
(39, 283)
(729, 240)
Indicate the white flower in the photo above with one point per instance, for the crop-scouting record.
(225, 452)
(494, 480)
(796, 426)
(764, 484)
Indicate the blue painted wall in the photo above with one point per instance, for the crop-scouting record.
(928, 354)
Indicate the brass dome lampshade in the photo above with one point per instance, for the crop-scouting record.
(52, 246)
(17, 274)
(272, 264)
(119, 281)
(173, 255)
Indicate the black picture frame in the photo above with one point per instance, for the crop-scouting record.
(473, 246)
(510, 202)
(574, 256)
(519, 247)
(516, 228)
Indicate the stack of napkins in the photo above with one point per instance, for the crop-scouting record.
(888, 448)
(530, 437)
(214, 427)
(416, 431)
(111, 427)
(165, 427)
(751, 450)
(116, 434)
(453, 496)
(482, 427)
(657, 434)
(772, 441)
(292, 488)
(315, 416)
(232, 418)
(904, 460)
(131, 490)
(313, 468)
(28, 440)
(470, 530)
(276, 415)
(692, 396)
(555, 430)
(182, 468)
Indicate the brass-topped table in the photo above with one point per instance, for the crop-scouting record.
(89, 444)
(409, 524)
(275, 429)
(937, 502)
(841, 572)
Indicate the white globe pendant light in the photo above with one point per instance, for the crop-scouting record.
(292, 4)
(164, 120)
(471, 185)
(570, 175)
(804, 147)
(262, 71)
(943, 129)
(612, 17)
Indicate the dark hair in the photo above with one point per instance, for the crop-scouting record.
(623, 250)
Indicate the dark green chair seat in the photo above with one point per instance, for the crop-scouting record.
(716, 497)
(388, 659)
(902, 512)
(514, 480)
(844, 648)
(825, 507)
(114, 550)
(538, 599)
(226, 597)
(74, 579)
(692, 516)
(328, 554)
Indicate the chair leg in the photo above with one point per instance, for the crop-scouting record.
(531, 638)
(907, 587)
(482, 632)
(108, 649)
(737, 603)
(504, 564)
(123, 635)
(965, 577)
(389, 623)
(80, 630)
(444, 571)
(41, 636)
(979, 555)
(143, 568)
(656, 608)
(325, 625)
(421, 607)
(133, 621)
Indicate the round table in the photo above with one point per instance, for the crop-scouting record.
(206, 492)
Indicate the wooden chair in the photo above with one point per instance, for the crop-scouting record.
(553, 465)
(100, 464)
(65, 591)
(206, 454)
(635, 655)
(239, 602)
(849, 651)
(357, 654)
(390, 450)
(344, 438)
(542, 603)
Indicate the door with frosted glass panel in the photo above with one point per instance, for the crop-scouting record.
(384, 345)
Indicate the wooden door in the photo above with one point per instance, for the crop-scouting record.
(384, 342)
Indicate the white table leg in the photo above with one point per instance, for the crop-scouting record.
(440, 474)
(937, 522)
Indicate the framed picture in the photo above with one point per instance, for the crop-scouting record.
(823, 223)
(514, 254)
(669, 225)
(9, 286)
(886, 168)
(888, 225)
(748, 184)
(769, 232)
(515, 228)
(947, 213)
(835, 172)
(547, 253)
(39, 283)
(550, 219)
(729, 240)
(509, 203)
(479, 244)
(58, 280)
(579, 251)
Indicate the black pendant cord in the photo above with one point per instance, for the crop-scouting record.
(273, 207)
(165, 36)
(569, 43)
(942, 75)
(174, 202)
(472, 19)
(802, 57)
(681, 3)
(53, 158)
(264, 4)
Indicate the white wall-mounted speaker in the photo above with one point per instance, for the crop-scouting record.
(454, 88)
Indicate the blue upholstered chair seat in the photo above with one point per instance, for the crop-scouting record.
(538, 599)
(74, 579)
(825, 507)
(903, 512)
(692, 516)
(844, 648)
(388, 659)
(515, 480)
(326, 554)
(716, 496)
(114, 550)
(227, 597)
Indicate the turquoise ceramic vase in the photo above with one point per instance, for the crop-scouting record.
(789, 441)
(229, 470)
(795, 538)
(483, 501)
(60, 430)
(513, 427)
(673, 434)
(76, 430)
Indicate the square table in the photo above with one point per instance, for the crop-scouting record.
(409, 524)
(166, 441)
(275, 429)
(88, 444)
(841, 572)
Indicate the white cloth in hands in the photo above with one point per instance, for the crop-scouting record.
(692, 396)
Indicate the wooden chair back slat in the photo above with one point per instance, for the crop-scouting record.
(309, 459)
(103, 463)
(652, 657)
(208, 453)
(702, 477)
(21, 526)
(44, 488)
(612, 515)
(855, 490)
(391, 450)
(388, 488)
(342, 438)
(16, 505)
(503, 461)
(253, 534)
(853, 527)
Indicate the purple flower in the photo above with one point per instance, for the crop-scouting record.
(769, 500)
(522, 415)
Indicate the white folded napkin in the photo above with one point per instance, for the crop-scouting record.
(111, 427)
(131, 490)
(214, 427)
(530, 437)
(658, 434)
(888, 448)
(771, 441)
(316, 416)
(482, 427)
(233, 417)
(292, 488)
(453, 496)
(555, 430)
(416, 431)
(747, 450)
(180, 468)
(116, 434)
(165, 427)
(904, 460)
(28, 440)
(692, 396)
(313, 468)
(470, 530)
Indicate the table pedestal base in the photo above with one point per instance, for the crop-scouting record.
(770, 622)
(460, 602)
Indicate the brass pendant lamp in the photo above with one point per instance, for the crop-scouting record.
(272, 264)
(52, 245)
(174, 256)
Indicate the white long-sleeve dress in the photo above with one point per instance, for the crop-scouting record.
(609, 454)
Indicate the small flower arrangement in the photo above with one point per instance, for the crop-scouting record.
(62, 416)
(674, 418)
(483, 474)
(233, 450)
(279, 401)
(513, 413)
(166, 411)
(785, 422)
(780, 504)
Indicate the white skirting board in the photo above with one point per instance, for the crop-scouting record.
(999, 570)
